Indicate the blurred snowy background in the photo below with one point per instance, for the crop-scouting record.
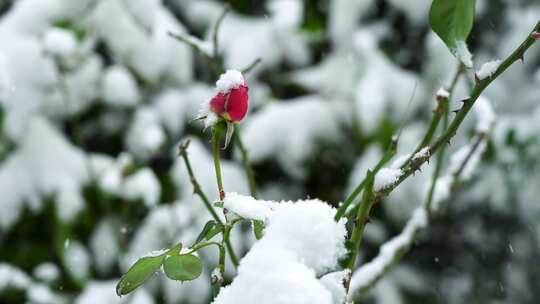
(95, 97)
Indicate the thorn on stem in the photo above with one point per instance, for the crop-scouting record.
(456, 111)
(536, 35)
(476, 79)
(221, 195)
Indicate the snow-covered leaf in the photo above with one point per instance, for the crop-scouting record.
(452, 21)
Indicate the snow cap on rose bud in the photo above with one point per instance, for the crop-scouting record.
(231, 99)
(229, 104)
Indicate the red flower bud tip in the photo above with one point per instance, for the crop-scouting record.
(231, 99)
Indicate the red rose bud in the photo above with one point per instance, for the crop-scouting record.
(231, 99)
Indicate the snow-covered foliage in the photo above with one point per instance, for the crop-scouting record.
(294, 249)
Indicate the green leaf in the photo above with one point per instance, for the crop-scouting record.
(184, 267)
(215, 230)
(175, 250)
(207, 227)
(258, 229)
(452, 20)
(143, 269)
(229, 134)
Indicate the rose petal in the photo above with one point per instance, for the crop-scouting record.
(237, 105)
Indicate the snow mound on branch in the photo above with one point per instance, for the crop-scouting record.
(463, 54)
(301, 242)
(247, 207)
(385, 178)
(488, 69)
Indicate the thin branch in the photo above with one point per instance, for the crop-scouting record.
(216, 136)
(440, 157)
(250, 174)
(227, 240)
(392, 251)
(362, 216)
(215, 37)
(342, 209)
(389, 255)
(390, 152)
(197, 190)
(414, 164)
(252, 65)
(479, 139)
(196, 187)
(191, 41)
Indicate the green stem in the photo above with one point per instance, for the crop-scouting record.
(252, 65)
(189, 42)
(196, 187)
(390, 152)
(478, 89)
(250, 174)
(216, 136)
(412, 165)
(440, 157)
(226, 239)
(440, 112)
(218, 280)
(438, 165)
(361, 219)
(203, 245)
(479, 138)
(215, 38)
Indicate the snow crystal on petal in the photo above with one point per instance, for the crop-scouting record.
(229, 80)
(211, 119)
